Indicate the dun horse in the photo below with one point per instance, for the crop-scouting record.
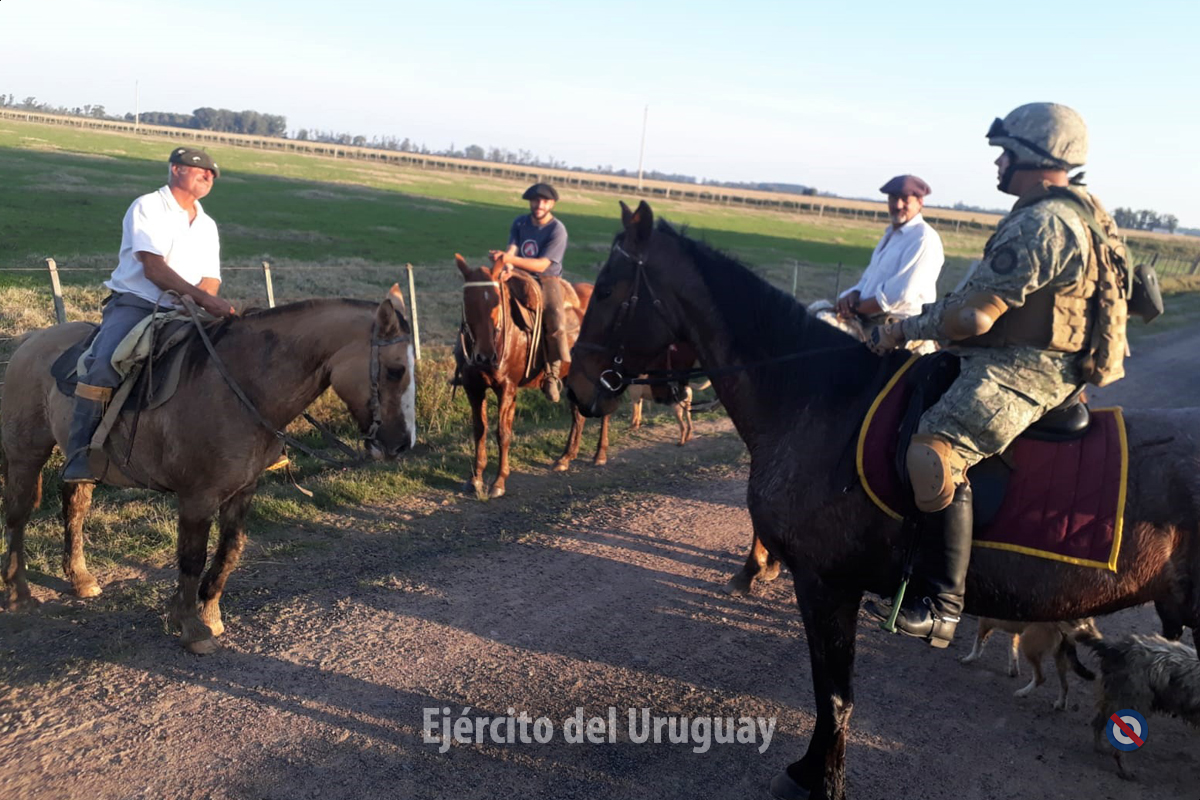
(499, 355)
(203, 444)
(659, 286)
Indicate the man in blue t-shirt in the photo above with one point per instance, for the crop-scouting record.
(536, 243)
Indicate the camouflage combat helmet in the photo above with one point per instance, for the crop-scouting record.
(1042, 136)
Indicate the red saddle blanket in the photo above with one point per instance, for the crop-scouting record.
(1065, 500)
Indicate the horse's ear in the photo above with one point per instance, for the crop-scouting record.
(498, 267)
(640, 222)
(463, 267)
(626, 214)
(386, 315)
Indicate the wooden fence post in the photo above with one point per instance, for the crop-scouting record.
(1195, 267)
(795, 276)
(412, 299)
(60, 311)
(267, 280)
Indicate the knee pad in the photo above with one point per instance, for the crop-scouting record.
(931, 463)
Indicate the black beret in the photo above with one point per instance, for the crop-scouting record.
(905, 185)
(540, 190)
(191, 157)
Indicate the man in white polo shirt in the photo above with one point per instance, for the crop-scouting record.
(903, 272)
(168, 243)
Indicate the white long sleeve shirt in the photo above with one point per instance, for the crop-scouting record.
(903, 272)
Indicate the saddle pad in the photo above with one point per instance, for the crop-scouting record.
(1064, 501)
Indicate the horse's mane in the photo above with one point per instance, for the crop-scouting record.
(764, 322)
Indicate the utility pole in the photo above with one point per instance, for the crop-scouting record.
(136, 107)
(642, 151)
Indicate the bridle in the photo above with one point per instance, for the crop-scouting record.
(465, 333)
(370, 439)
(613, 379)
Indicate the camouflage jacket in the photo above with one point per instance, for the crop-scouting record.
(1041, 243)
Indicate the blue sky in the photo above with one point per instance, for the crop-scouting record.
(837, 97)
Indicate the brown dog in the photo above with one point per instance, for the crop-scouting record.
(1035, 640)
(1148, 674)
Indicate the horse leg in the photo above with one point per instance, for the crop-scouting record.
(229, 551)
(636, 422)
(602, 445)
(191, 550)
(478, 399)
(504, 423)
(573, 436)
(76, 502)
(830, 617)
(1169, 614)
(760, 566)
(22, 494)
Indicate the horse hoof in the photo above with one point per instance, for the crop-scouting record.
(784, 788)
(472, 488)
(88, 588)
(496, 492)
(203, 647)
(600, 462)
(215, 625)
(737, 588)
(23, 604)
(561, 466)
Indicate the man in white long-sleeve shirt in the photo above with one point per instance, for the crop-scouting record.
(903, 272)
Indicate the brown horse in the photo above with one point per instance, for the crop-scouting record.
(497, 355)
(796, 416)
(204, 444)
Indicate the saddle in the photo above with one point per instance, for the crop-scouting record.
(1056, 492)
(526, 295)
(152, 358)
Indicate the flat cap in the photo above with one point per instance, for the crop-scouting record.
(906, 185)
(191, 157)
(540, 190)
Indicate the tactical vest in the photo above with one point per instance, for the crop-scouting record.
(1086, 317)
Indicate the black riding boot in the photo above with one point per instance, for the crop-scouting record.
(945, 554)
(552, 383)
(88, 414)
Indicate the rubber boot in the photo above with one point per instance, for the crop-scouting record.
(945, 556)
(88, 414)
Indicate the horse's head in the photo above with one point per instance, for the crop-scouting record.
(627, 325)
(483, 313)
(377, 381)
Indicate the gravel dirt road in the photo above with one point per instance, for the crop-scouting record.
(607, 594)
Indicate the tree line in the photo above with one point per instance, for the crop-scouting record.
(1145, 220)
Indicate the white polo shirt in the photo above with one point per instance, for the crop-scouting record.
(904, 269)
(156, 223)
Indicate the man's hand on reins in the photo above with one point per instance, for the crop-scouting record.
(885, 338)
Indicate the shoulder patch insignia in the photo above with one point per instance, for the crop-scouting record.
(1003, 261)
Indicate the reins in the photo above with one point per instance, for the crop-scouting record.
(354, 458)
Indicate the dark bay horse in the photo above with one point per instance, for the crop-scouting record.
(203, 444)
(796, 417)
(500, 356)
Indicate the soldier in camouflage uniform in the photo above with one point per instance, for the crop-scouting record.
(1021, 325)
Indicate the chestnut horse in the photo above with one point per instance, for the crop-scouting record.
(203, 444)
(791, 398)
(496, 354)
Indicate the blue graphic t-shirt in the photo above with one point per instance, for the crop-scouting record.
(545, 241)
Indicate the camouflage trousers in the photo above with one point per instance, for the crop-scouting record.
(997, 395)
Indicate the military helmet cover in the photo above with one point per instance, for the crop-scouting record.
(1042, 135)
